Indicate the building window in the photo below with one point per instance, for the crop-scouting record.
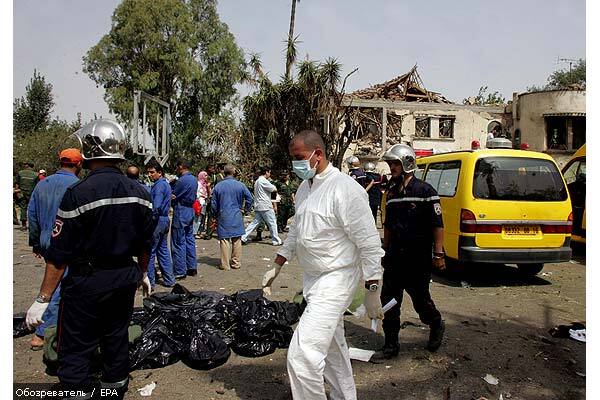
(422, 126)
(447, 127)
(556, 133)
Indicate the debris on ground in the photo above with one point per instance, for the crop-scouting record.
(147, 390)
(577, 334)
(492, 380)
(360, 354)
(564, 331)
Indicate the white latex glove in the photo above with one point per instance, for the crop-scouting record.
(34, 314)
(373, 303)
(268, 279)
(146, 287)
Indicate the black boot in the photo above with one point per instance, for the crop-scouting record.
(436, 334)
(387, 352)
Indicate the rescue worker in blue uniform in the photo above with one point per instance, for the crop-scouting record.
(373, 188)
(355, 171)
(102, 223)
(161, 203)
(413, 244)
(183, 244)
(41, 214)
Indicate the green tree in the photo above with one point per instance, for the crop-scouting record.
(177, 50)
(564, 78)
(276, 111)
(484, 98)
(31, 113)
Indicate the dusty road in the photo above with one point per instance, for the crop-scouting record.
(496, 323)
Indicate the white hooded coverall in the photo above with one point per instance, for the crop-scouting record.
(337, 244)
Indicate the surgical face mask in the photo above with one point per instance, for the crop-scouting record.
(303, 169)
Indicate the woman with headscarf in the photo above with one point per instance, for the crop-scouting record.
(201, 195)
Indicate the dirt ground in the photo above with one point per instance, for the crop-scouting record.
(496, 323)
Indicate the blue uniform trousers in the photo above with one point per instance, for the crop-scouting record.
(160, 250)
(183, 245)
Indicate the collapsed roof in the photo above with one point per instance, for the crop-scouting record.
(407, 87)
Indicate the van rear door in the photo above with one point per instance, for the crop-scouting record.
(519, 203)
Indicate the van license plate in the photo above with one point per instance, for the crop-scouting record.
(521, 230)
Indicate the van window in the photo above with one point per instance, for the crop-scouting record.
(515, 178)
(443, 177)
(575, 170)
(419, 172)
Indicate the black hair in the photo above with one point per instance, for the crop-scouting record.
(310, 139)
(184, 163)
(156, 165)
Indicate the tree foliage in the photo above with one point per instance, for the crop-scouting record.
(31, 113)
(177, 50)
(566, 78)
(277, 111)
(42, 147)
(484, 98)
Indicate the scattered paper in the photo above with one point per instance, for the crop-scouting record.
(266, 259)
(360, 354)
(374, 323)
(147, 390)
(577, 334)
(492, 380)
(389, 305)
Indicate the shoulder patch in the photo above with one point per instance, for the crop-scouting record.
(58, 224)
(437, 207)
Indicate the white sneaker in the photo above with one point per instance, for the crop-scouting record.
(278, 242)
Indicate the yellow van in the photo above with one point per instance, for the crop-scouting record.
(501, 206)
(574, 173)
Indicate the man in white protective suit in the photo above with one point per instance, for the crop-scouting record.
(334, 237)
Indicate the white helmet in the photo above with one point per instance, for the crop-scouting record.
(403, 153)
(102, 139)
(369, 166)
(352, 161)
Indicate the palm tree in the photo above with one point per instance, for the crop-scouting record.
(291, 53)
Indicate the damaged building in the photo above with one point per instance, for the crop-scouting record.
(550, 121)
(401, 110)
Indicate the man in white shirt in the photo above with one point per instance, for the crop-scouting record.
(263, 207)
(333, 234)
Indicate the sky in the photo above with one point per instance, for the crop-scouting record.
(458, 46)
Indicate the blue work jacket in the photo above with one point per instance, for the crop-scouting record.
(185, 195)
(43, 205)
(161, 198)
(228, 199)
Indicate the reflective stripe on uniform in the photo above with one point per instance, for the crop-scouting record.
(413, 199)
(103, 202)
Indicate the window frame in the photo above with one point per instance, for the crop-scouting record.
(459, 162)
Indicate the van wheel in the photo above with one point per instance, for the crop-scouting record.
(530, 269)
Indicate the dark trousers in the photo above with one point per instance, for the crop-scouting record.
(374, 210)
(284, 212)
(84, 322)
(412, 275)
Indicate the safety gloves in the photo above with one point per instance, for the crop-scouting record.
(34, 314)
(268, 279)
(373, 303)
(145, 283)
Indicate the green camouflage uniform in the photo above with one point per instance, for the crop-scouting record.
(285, 209)
(26, 179)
